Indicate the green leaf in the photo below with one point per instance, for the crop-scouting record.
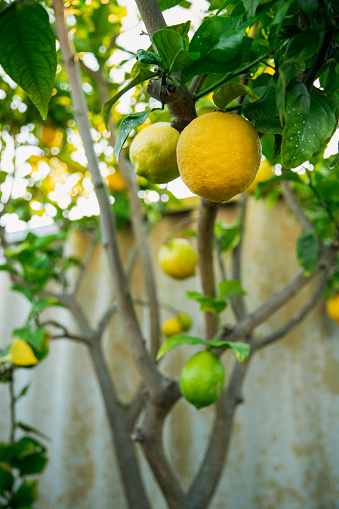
(168, 4)
(22, 393)
(310, 119)
(6, 478)
(33, 464)
(227, 235)
(34, 337)
(307, 251)
(142, 75)
(251, 6)
(30, 429)
(28, 52)
(218, 40)
(26, 495)
(229, 289)
(328, 188)
(263, 108)
(182, 29)
(126, 126)
(171, 47)
(231, 91)
(269, 126)
(241, 350)
(207, 303)
(177, 340)
(148, 57)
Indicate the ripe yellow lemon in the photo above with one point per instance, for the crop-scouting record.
(178, 258)
(202, 379)
(50, 135)
(218, 155)
(332, 307)
(264, 173)
(115, 182)
(171, 327)
(153, 153)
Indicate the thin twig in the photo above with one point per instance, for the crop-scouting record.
(295, 207)
(238, 302)
(84, 264)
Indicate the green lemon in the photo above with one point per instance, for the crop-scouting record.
(185, 320)
(153, 153)
(202, 379)
(178, 258)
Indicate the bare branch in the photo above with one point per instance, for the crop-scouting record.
(151, 15)
(205, 483)
(297, 318)
(280, 298)
(295, 207)
(84, 264)
(152, 377)
(207, 215)
(135, 408)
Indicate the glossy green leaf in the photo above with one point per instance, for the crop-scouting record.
(28, 52)
(269, 126)
(310, 119)
(177, 340)
(126, 126)
(231, 91)
(143, 75)
(231, 288)
(148, 57)
(218, 40)
(241, 350)
(265, 107)
(251, 6)
(307, 251)
(168, 4)
(171, 47)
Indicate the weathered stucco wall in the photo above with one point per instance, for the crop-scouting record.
(285, 449)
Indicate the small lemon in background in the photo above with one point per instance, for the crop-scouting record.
(115, 182)
(185, 320)
(265, 172)
(202, 379)
(332, 307)
(171, 327)
(153, 153)
(178, 258)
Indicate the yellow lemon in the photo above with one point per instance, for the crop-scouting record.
(20, 354)
(153, 153)
(50, 135)
(264, 173)
(178, 258)
(115, 182)
(171, 327)
(218, 155)
(332, 307)
(202, 379)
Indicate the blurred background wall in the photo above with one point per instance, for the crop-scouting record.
(285, 448)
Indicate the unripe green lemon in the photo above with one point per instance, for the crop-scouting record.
(202, 379)
(185, 320)
(171, 327)
(178, 258)
(153, 153)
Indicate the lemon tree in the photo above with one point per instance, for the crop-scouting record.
(250, 71)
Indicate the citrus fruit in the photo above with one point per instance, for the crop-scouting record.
(218, 155)
(332, 307)
(264, 173)
(50, 135)
(178, 258)
(185, 320)
(202, 379)
(153, 153)
(20, 353)
(171, 327)
(115, 182)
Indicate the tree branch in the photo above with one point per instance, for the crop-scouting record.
(296, 209)
(207, 215)
(152, 377)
